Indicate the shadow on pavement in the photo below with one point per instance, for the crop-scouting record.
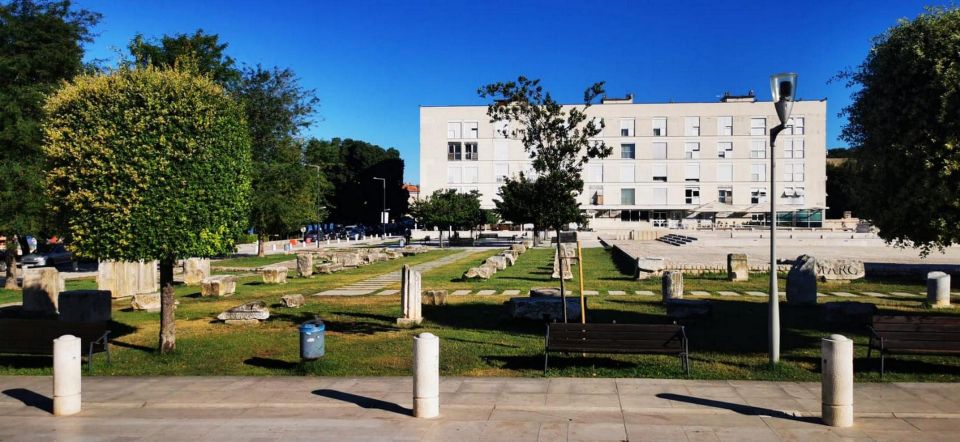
(31, 399)
(363, 401)
(737, 408)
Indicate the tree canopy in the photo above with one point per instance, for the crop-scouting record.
(198, 52)
(446, 208)
(905, 124)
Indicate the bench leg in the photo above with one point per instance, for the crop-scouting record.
(881, 364)
(545, 356)
(90, 359)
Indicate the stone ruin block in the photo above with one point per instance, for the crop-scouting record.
(41, 290)
(274, 275)
(738, 269)
(220, 285)
(195, 270)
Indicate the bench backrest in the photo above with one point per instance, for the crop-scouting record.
(919, 332)
(35, 336)
(616, 338)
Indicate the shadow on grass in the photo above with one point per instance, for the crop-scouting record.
(26, 361)
(31, 398)
(480, 316)
(345, 327)
(468, 341)
(272, 364)
(736, 408)
(364, 402)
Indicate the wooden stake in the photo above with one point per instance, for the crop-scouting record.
(583, 303)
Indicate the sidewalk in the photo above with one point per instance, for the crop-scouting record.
(510, 409)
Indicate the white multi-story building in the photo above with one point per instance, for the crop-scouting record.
(672, 163)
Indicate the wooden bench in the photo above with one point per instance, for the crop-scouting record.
(617, 338)
(35, 337)
(918, 335)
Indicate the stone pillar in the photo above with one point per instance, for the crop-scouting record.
(567, 274)
(837, 381)
(124, 279)
(672, 285)
(426, 375)
(195, 270)
(802, 281)
(66, 375)
(738, 269)
(41, 290)
(410, 297)
(305, 264)
(938, 289)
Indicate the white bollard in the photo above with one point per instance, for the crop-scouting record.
(66, 375)
(426, 375)
(938, 289)
(837, 381)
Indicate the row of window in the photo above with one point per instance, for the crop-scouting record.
(792, 148)
(691, 127)
(691, 196)
(792, 172)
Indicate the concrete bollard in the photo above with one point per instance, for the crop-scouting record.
(426, 375)
(66, 375)
(938, 289)
(837, 381)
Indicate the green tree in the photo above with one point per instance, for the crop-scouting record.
(519, 203)
(285, 194)
(905, 124)
(148, 164)
(841, 192)
(559, 140)
(350, 166)
(198, 52)
(446, 209)
(41, 45)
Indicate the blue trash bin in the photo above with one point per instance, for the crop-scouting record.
(312, 339)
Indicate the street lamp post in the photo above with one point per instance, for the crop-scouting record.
(783, 87)
(319, 208)
(383, 222)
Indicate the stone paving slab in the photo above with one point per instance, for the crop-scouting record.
(460, 292)
(699, 293)
(486, 292)
(616, 292)
(757, 294)
(591, 292)
(389, 292)
(511, 292)
(904, 294)
(875, 294)
(843, 294)
(728, 293)
(516, 409)
(644, 293)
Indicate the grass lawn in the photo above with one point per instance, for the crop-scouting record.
(478, 338)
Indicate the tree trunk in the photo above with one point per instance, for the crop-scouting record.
(10, 257)
(563, 293)
(440, 239)
(261, 244)
(168, 329)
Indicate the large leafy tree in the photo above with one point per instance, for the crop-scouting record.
(559, 140)
(905, 124)
(519, 202)
(448, 209)
(148, 164)
(350, 166)
(199, 52)
(41, 45)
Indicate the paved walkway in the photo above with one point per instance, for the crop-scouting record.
(371, 285)
(509, 409)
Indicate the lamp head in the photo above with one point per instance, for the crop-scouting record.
(783, 88)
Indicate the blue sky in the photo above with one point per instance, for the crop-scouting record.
(373, 63)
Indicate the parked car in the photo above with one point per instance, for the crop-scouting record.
(56, 255)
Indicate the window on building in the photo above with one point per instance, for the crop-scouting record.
(758, 149)
(501, 150)
(724, 126)
(691, 151)
(471, 129)
(691, 172)
(471, 153)
(628, 197)
(758, 172)
(692, 195)
(660, 196)
(758, 195)
(628, 151)
(691, 126)
(471, 174)
(596, 173)
(793, 195)
(724, 172)
(793, 148)
(758, 126)
(793, 172)
(501, 171)
(660, 126)
(627, 127)
(454, 152)
(627, 173)
(501, 129)
(659, 172)
(795, 126)
(725, 149)
(453, 129)
(659, 151)
(725, 195)
(454, 175)
(596, 195)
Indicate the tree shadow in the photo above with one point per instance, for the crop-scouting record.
(480, 316)
(363, 401)
(272, 364)
(747, 410)
(31, 399)
(348, 328)
(26, 361)
(142, 348)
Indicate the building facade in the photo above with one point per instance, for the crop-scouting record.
(673, 164)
